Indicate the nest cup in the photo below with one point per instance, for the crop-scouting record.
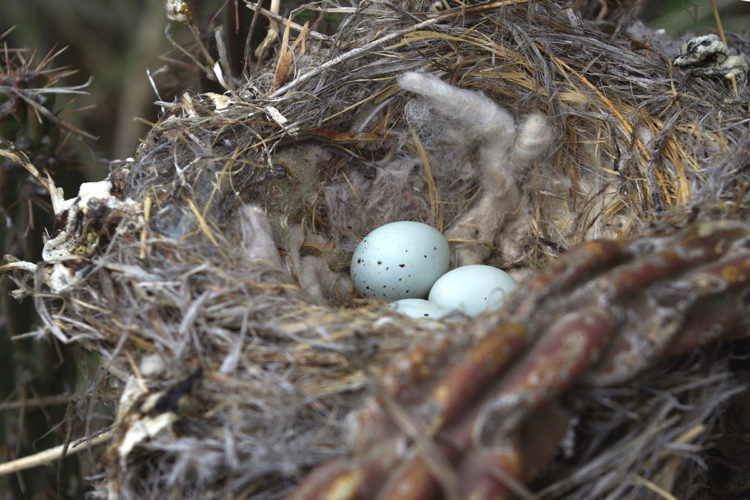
(219, 298)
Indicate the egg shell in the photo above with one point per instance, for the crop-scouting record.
(472, 289)
(399, 260)
(419, 308)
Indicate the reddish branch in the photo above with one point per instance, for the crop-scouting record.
(478, 419)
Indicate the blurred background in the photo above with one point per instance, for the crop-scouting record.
(114, 43)
(681, 16)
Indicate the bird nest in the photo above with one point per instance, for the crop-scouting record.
(209, 271)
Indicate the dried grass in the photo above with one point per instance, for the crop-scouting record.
(171, 291)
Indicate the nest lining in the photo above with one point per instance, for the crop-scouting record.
(186, 283)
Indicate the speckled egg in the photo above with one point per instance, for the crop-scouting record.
(472, 289)
(399, 260)
(419, 308)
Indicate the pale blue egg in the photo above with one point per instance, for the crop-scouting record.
(399, 260)
(472, 289)
(419, 308)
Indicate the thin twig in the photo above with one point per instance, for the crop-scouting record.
(723, 37)
(272, 34)
(8, 150)
(296, 27)
(57, 400)
(52, 454)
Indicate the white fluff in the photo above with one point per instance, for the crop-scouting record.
(504, 153)
(535, 134)
(476, 115)
(257, 236)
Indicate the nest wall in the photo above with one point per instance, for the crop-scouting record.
(219, 298)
